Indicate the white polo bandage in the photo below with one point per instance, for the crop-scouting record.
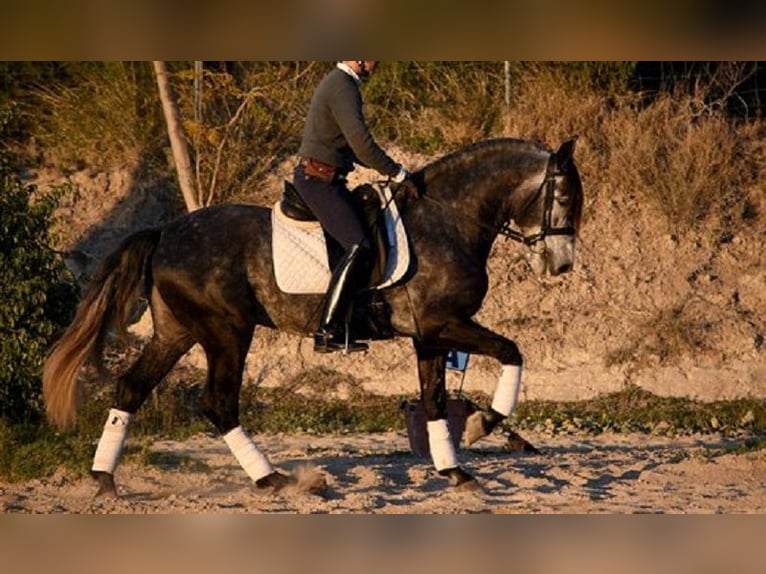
(252, 460)
(111, 442)
(440, 444)
(507, 391)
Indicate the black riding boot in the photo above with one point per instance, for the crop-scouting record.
(332, 334)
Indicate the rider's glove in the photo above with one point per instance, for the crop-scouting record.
(401, 175)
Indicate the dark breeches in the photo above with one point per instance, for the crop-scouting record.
(331, 204)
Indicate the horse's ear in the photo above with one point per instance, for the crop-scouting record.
(565, 153)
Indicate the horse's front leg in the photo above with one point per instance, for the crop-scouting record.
(433, 392)
(471, 337)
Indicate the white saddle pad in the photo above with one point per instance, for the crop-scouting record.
(300, 253)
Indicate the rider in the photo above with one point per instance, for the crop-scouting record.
(335, 137)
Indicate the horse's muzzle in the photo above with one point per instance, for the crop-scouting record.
(559, 254)
(554, 256)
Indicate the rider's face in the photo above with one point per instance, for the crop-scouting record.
(370, 66)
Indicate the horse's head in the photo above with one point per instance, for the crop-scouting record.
(551, 217)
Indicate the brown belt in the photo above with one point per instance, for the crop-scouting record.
(319, 170)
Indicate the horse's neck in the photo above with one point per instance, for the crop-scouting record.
(473, 211)
(478, 192)
(477, 203)
(488, 178)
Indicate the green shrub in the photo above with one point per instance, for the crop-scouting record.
(33, 450)
(634, 409)
(37, 295)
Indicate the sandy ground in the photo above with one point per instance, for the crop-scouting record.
(377, 473)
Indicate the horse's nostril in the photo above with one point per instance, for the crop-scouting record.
(565, 268)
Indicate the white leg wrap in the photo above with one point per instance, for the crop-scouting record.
(507, 391)
(440, 444)
(243, 448)
(111, 442)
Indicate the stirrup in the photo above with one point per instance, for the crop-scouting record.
(328, 342)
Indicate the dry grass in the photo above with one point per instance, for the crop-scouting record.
(670, 334)
(677, 155)
(548, 109)
(684, 164)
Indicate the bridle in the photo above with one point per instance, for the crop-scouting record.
(546, 229)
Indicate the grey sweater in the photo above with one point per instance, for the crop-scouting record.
(335, 131)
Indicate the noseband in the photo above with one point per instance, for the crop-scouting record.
(549, 186)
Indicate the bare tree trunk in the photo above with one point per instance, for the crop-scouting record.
(177, 137)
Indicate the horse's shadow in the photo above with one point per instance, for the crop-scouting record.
(600, 467)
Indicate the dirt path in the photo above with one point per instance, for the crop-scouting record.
(377, 474)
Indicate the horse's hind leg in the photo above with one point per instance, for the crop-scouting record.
(133, 387)
(168, 343)
(226, 352)
(433, 391)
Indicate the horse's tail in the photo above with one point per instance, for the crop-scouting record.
(108, 302)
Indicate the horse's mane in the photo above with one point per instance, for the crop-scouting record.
(455, 160)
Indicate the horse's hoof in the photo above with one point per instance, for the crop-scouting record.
(479, 424)
(460, 479)
(517, 443)
(474, 429)
(274, 482)
(471, 485)
(106, 486)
